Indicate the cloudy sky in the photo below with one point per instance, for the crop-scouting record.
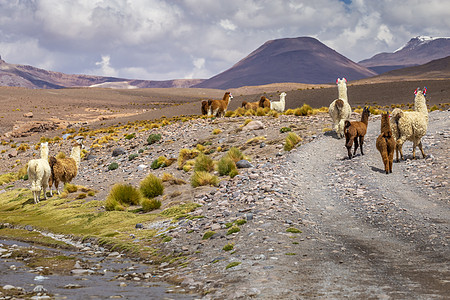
(170, 39)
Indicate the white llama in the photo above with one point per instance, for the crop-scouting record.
(340, 110)
(279, 105)
(410, 125)
(39, 173)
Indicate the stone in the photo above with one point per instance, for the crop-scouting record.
(242, 164)
(29, 228)
(28, 115)
(9, 287)
(253, 125)
(139, 226)
(118, 151)
(39, 289)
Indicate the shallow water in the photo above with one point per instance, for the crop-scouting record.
(101, 284)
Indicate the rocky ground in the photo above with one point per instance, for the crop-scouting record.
(312, 224)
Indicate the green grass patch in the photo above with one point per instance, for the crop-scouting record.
(232, 264)
(228, 247)
(293, 230)
(233, 229)
(208, 235)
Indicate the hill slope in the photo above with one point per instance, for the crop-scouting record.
(303, 59)
(417, 51)
(31, 77)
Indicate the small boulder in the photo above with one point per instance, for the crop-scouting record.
(118, 151)
(28, 115)
(254, 125)
(242, 164)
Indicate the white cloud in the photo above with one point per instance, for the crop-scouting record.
(160, 38)
(227, 24)
(105, 67)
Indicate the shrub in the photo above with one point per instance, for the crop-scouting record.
(203, 163)
(293, 230)
(125, 194)
(233, 229)
(434, 107)
(133, 156)
(285, 129)
(153, 138)
(260, 111)
(228, 247)
(166, 177)
(235, 154)
(291, 141)
(304, 110)
(240, 222)
(208, 234)
(226, 165)
(232, 264)
(184, 155)
(81, 196)
(23, 147)
(130, 136)
(70, 188)
(150, 204)
(151, 186)
(200, 178)
(113, 166)
(216, 131)
(161, 162)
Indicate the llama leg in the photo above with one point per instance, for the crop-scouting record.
(421, 149)
(56, 186)
(50, 184)
(391, 159)
(399, 149)
(385, 158)
(356, 146)
(361, 142)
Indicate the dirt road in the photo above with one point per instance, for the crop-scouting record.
(378, 235)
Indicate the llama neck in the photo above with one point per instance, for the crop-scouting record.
(76, 155)
(342, 91)
(282, 98)
(365, 118)
(44, 152)
(420, 104)
(385, 126)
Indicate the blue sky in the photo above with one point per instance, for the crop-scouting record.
(158, 40)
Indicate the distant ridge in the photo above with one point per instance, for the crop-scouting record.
(301, 60)
(35, 78)
(419, 50)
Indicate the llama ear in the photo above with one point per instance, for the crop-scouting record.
(415, 92)
(337, 81)
(345, 79)
(424, 90)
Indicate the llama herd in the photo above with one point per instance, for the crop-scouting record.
(218, 108)
(400, 127)
(395, 130)
(45, 171)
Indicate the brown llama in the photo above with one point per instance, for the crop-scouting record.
(264, 102)
(64, 169)
(250, 105)
(204, 107)
(356, 130)
(386, 143)
(218, 108)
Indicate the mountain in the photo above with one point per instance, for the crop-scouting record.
(419, 50)
(31, 77)
(302, 59)
(435, 69)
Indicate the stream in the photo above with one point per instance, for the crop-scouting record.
(99, 276)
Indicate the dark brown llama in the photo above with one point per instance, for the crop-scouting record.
(386, 143)
(204, 107)
(264, 102)
(356, 130)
